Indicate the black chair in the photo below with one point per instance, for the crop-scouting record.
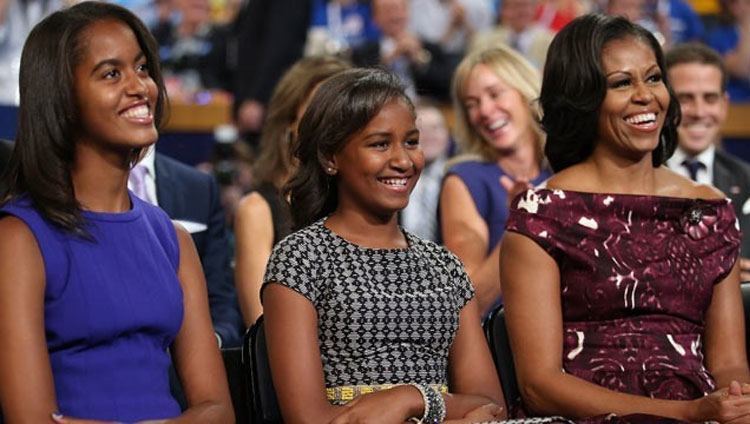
(263, 403)
(746, 303)
(497, 338)
(237, 384)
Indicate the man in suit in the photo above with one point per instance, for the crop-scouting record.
(424, 68)
(191, 198)
(699, 80)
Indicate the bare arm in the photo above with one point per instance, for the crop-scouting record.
(291, 325)
(27, 393)
(465, 233)
(725, 333)
(473, 378)
(194, 351)
(534, 319)
(253, 227)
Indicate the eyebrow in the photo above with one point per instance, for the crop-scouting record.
(388, 133)
(628, 72)
(115, 62)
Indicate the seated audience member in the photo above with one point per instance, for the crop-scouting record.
(191, 198)
(98, 289)
(671, 21)
(518, 29)
(421, 215)
(262, 218)
(620, 277)
(270, 37)
(333, 288)
(450, 23)
(423, 67)
(699, 80)
(497, 126)
(192, 50)
(555, 14)
(16, 20)
(731, 38)
(338, 26)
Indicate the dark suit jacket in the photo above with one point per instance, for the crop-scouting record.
(5, 148)
(732, 176)
(190, 195)
(270, 36)
(433, 79)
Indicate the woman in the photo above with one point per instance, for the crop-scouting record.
(356, 308)
(620, 277)
(493, 91)
(262, 217)
(96, 285)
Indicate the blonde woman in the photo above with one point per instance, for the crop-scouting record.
(262, 217)
(494, 91)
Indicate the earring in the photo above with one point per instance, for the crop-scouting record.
(330, 171)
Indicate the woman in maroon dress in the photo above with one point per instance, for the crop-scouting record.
(620, 279)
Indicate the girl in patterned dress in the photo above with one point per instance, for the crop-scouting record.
(364, 321)
(620, 276)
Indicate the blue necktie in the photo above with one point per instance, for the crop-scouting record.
(693, 166)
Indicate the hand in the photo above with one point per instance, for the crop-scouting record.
(58, 418)
(458, 15)
(487, 412)
(744, 270)
(394, 405)
(250, 116)
(514, 187)
(731, 404)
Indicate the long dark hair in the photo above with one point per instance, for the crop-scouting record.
(48, 115)
(342, 106)
(292, 90)
(574, 86)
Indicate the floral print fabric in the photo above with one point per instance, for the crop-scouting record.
(636, 278)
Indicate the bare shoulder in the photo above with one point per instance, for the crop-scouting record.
(572, 178)
(253, 204)
(183, 235)
(673, 184)
(15, 233)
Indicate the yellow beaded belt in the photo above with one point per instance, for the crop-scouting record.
(348, 393)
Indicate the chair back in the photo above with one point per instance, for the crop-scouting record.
(237, 384)
(264, 406)
(745, 287)
(497, 338)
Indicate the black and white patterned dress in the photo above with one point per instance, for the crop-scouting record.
(385, 316)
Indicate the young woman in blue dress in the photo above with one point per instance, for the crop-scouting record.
(98, 288)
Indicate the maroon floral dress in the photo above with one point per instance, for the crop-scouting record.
(636, 278)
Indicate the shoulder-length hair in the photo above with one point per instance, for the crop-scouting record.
(274, 159)
(574, 86)
(515, 71)
(341, 107)
(48, 114)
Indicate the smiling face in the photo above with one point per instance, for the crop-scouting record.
(703, 103)
(496, 111)
(634, 108)
(378, 167)
(114, 92)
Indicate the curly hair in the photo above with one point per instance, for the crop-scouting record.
(342, 106)
(574, 86)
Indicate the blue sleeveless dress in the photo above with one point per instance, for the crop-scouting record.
(490, 198)
(112, 308)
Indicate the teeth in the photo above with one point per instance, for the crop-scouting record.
(641, 118)
(394, 181)
(497, 124)
(136, 112)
